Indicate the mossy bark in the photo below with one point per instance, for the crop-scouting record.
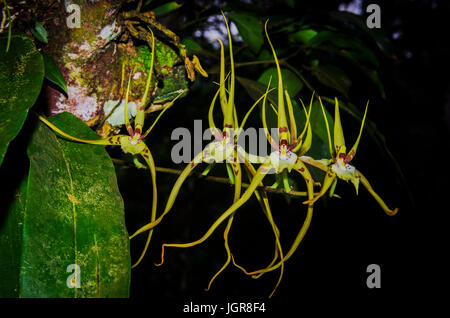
(91, 58)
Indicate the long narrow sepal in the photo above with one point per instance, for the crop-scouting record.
(169, 105)
(301, 168)
(140, 116)
(282, 120)
(237, 193)
(173, 195)
(304, 146)
(244, 120)
(261, 173)
(352, 151)
(339, 141)
(329, 178)
(230, 106)
(212, 125)
(222, 89)
(125, 111)
(380, 201)
(261, 195)
(264, 122)
(327, 126)
(292, 123)
(104, 142)
(146, 154)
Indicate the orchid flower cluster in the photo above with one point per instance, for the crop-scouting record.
(289, 156)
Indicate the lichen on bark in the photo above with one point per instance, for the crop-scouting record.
(91, 58)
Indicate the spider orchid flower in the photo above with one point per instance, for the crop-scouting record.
(340, 163)
(223, 149)
(285, 158)
(132, 143)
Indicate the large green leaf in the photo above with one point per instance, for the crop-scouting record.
(249, 28)
(333, 77)
(378, 35)
(69, 212)
(21, 76)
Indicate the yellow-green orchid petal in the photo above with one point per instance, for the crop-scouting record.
(292, 124)
(140, 116)
(301, 168)
(304, 146)
(259, 176)
(244, 120)
(282, 120)
(223, 96)
(237, 193)
(170, 104)
(230, 106)
(173, 194)
(212, 126)
(146, 154)
(327, 126)
(352, 151)
(264, 122)
(114, 140)
(339, 141)
(329, 178)
(125, 111)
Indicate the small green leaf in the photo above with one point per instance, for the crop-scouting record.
(53, 73)
(166, 8)
(290, 3)
(250, 29)
(191, 46)
(21, 76)
(290, 81)
(303, 36)
(40, 33)
(69, 212)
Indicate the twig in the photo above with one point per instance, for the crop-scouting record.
(218, 180)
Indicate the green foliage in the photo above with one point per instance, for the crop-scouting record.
(21, 76)
(166, 8)
(40, 33)
(249, 28)
(53, 73)
(67, 211)
(290, 81)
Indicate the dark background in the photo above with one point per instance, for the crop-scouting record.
(346, 234)
(328, 270)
